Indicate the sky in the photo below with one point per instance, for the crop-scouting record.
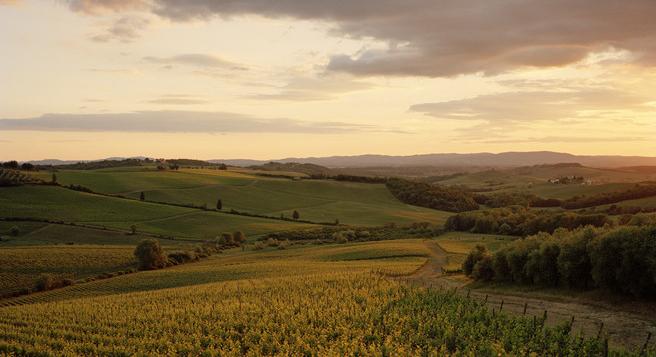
(259, 79)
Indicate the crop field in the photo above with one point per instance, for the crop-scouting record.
(316, 200)
(55, 203)
(299, 301)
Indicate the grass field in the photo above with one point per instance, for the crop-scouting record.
(55, 203)
(533, 180)
(459, 244)
(293, 302)
(316, 200)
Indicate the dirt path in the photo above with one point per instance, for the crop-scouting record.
(626, 328)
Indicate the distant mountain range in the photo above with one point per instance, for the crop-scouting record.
(505, 159)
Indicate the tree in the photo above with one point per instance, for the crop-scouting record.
(11, 165)
(219, 204)
(133, 229)
(14, 231)
(27, 166)
(142, 196)
(473, 257)
(150, 255)
(483, 269)
(54, 178)
(227, 238)
(239, 237)
(296, 215)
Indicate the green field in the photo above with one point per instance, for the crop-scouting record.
(55, 203)
(316, 200)
(534, 180)
(458, 244)
(294, 302)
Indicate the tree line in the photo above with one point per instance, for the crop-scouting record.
(521, 221)
(439, 197)
(618, 259)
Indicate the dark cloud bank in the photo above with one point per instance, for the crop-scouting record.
(444, 37)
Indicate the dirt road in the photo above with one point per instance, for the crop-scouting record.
(625, 327)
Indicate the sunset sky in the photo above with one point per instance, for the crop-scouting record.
(213, 79)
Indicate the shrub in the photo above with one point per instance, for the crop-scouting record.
(239, 237)
(271, 242)
(473, 257)
(14, 231)
(46, 282)
(340, 237)
(182, 257)
(258, 246)
(150, 255)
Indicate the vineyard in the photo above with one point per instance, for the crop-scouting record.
(300, 301)
(23, 266)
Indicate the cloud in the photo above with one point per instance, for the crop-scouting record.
(9, 2)
(196, 60)
(563, 139)
(531, 106)
(178, 99)
(95, 7)
(439, 38)
(314, 88)
(125, 29)
(449, 37)
(179, 121)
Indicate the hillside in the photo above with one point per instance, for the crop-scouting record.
(315, 200)
(505, 159)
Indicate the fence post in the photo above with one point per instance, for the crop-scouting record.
(643, 352)
(525, 306)
(601, 328)
(501, 308)
(468, 292)
(485, 302)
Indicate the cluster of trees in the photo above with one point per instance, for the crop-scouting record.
(521, 221)
(150, 254)
(506, 199)
(452, 199)
(636, 192)
(13, 165)
(341, 234)
(615, 259)
(10, 177)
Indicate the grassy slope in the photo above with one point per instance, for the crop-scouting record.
(459, 244)
(61, 204)
(534, 180)
(316, 200)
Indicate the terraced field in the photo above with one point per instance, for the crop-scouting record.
(293, 302)
(316, 200)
